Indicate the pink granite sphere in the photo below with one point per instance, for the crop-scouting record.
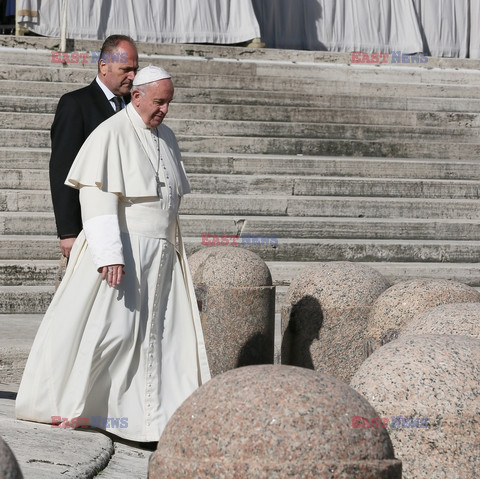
(9, 468)
(237, 306)
(395, 307)
(456, 318)
(428, 389)
(273, 422)
(324, 316)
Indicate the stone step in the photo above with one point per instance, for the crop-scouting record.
(310, 84)
(298, 165)
(285, 272)
(25, 299)
(287, 185)
(175, 64)
(326, 147)
(43, 272)
(228, 52)
(24, 158)
(332, 186)
(29, 248)
(43, 97)
(293, 114)
(39, 89)
(371, 250)
(467, 273)
(17, 332)
(28, 273)
(35, 247)
(29, 179)
(266, 229)
(420, 74)
(269, 229)
(270, 205)
(24, 223)
(440, 148)
(23, 113)
(330, 206)
(220, 163)
(50, 62)
(41, 60)
(38, 43)
(324, 99)
(271, 129)
(34, 299)
(340, 131)
(16, 200)
(313, 85)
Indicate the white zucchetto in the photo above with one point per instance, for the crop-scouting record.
(150, 74)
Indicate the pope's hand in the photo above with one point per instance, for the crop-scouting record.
(113, 274)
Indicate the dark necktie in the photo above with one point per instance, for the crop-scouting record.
(118, 103)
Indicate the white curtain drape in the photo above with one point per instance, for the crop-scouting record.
(445, 28)
(27, 12)
(162, 21)
(474, 29)
(339, 25)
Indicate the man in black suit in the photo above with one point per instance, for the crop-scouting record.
(78, 114)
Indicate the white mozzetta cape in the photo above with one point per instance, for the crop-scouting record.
(119, 162)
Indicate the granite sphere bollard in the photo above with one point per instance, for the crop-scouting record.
(273, 421)
(428, 389)
(237, 307)
(324, 316)
(395, 307)
(9, 468)
(455, 318)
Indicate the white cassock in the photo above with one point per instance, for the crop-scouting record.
(128, 356)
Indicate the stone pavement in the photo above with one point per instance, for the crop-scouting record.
(46, 453)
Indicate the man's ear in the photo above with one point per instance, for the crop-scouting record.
(135, 96)
(102, 67)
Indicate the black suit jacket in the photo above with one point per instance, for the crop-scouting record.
(78, 114)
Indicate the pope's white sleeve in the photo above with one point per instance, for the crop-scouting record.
(100, 225)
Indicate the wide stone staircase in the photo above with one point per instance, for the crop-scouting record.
(338, 161)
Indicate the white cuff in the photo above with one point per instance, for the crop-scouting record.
(103, 238)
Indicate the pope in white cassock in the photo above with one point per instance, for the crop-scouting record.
(121, 344)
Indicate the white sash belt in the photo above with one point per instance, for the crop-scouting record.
(146, 219)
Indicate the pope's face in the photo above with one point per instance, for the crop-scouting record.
(118, 69)
(153, 104)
